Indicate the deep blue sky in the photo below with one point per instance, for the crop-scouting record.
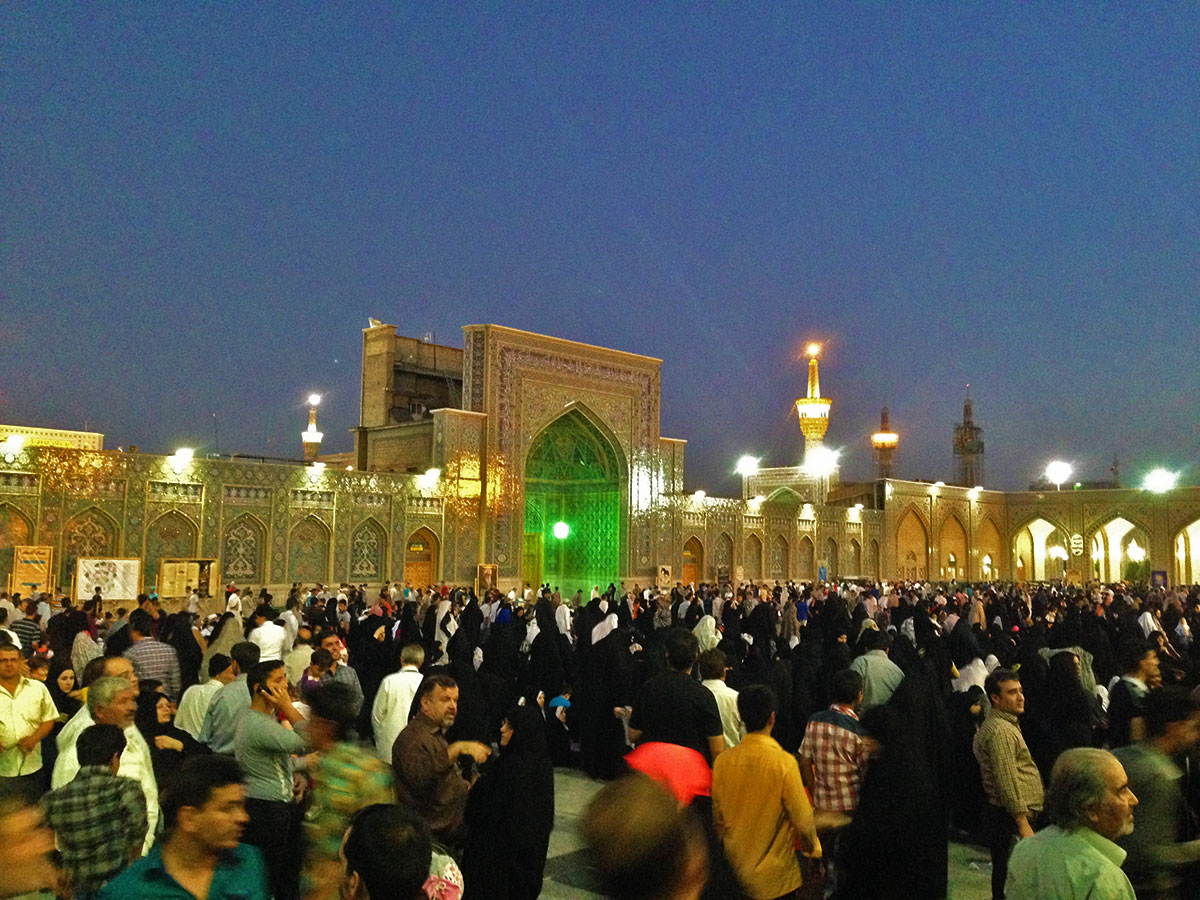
(201, 204)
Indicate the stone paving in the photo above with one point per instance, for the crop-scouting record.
(567, 873)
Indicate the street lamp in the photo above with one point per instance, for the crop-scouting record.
(1159, 481)
(1058, 472)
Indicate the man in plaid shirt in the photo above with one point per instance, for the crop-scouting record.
(833, 754)
(152, 658)
(833, 758)
(99, 817)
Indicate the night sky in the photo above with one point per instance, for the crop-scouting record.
(201, 204)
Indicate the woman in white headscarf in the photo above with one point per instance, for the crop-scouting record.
(706, 633)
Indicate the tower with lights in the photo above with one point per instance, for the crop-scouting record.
(813, 410)
(310, 437)
(884, 443)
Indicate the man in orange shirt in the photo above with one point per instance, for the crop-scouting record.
(760, 808)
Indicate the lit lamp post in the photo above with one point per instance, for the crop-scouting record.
(1058, 472)
(310, 437)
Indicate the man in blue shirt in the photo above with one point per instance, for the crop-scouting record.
(201, 855)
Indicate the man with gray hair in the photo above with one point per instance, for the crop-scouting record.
(1089, 805)
(112, 701)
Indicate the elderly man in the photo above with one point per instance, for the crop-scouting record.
(1089, 805)
(394, 701)
(112, 701)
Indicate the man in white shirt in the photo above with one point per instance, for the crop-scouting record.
(271, 638)
(27, 714)
(712, 672)
(233, 603)
(291, 619)
(198, 697)
(112, 701)
(193, 602)
(389, 715)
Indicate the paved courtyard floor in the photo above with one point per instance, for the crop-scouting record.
(567, 872)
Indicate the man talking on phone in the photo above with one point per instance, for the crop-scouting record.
(264, 749)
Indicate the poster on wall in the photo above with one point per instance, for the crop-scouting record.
(485, 579)
(117, 579)
(31, 569)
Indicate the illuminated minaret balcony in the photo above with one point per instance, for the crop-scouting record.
(813, 410)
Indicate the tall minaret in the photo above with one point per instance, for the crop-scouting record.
(813, 410)
(968, 448)
(310, 437)
(884, 442)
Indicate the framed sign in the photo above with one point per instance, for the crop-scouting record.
(32, 570)
(117, 579)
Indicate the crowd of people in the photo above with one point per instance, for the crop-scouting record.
(761, 740)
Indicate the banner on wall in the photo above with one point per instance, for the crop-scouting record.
(32, 569)
(117, 579)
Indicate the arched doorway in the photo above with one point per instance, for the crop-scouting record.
(572, 506)
(752, 564)
(856, 570)
(1187, 554)
(693, 562)
(1041, 551)
(808, 558)
(421, 558)
(952, 550)
(779, 558)
(832, 569)
(1120, 552)
(874, 559)
(991, 550)
(912, 547)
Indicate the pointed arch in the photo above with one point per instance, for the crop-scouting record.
(991, 550)
(421, 558)
(723, 557)
(806, 565)
(309, 546)
(243, 549)
(780, 558)
(1040, 549)
(90, 533)
(575, 472)
(832, 564)
(1185, 547)
(752, 564)
(873, 560)
(368, 551)
(952, 549)
(16, 530)
(171, 536)
(1120, 550)
(912, 546)
(855, 561)
(691, 572)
